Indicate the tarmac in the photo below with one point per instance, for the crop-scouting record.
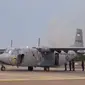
(16, 76)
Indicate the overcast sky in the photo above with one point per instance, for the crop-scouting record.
(54, 21)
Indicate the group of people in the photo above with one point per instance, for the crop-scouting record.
(72, 65)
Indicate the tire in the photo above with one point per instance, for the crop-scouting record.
(30, 68)
(3, 68)
(46, 68)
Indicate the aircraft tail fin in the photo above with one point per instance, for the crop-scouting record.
(78, 39)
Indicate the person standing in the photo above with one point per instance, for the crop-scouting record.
(70, 65)
(73, 64)
(82, 64)
(65, 66)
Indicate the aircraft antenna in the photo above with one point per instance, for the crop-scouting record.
(38, 42)
(11, 43)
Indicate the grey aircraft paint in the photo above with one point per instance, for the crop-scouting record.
(41, 56)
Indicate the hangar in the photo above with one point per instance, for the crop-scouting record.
(2, 50)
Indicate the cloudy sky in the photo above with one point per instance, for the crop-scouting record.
(54, 21)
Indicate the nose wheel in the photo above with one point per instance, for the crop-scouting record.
(30, 68)
(3, 68)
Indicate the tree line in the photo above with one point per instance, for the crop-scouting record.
(79, 58)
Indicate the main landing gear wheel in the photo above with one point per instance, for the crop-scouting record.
(30, 68)
(3, 68)
(46, 68)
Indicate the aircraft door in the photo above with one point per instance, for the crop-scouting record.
(56, 59)
(20, 58)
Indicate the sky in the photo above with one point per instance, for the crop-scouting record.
(54, 21)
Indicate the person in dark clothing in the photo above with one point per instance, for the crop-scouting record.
(73, 65)
(65, 66)
(70, 65)
(82, 64)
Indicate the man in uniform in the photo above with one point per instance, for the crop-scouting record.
(82, 64)
(70, 65)
(73, 65)
(65, 66)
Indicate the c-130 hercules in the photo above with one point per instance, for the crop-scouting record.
(41, 57)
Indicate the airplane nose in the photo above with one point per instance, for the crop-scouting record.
(11, 59)
(4, 59)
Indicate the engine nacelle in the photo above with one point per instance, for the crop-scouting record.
(66, 57)
(71, 55)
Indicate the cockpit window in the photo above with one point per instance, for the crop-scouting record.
(15, 51)
(8, 51)
(12, 51)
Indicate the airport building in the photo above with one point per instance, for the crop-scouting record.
(1, 51)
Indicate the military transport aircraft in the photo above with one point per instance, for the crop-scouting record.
(37, 57)
(42, 57)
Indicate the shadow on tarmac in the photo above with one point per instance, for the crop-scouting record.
(42, 71)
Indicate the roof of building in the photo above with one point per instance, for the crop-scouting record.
(2, 50)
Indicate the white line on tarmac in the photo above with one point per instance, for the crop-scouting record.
(15, 80)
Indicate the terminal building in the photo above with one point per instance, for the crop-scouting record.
(2, 50)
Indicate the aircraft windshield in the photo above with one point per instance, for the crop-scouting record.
(8, 51)
(12, 51)
(15, 51)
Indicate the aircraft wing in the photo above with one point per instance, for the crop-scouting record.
(61, 49)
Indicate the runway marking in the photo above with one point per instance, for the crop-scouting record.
(12, 80)
(41, 78)
(59, 78)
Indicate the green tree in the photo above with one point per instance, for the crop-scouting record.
(79, 58)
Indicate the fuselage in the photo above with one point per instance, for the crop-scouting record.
(33, 57)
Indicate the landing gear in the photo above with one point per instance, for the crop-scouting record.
(46, 68)
(3, 68)
(30, 68)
